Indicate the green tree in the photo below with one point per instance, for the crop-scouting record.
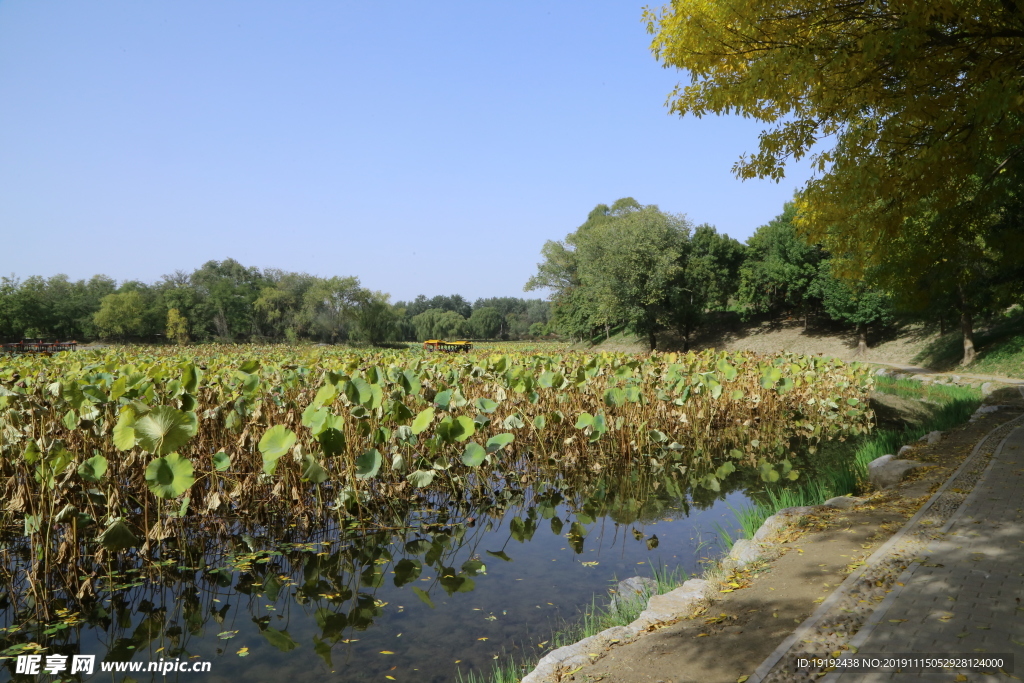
(780, 269)
(486, 322)
(436, 323)
(632, 266)
(329, 307)
(374, 317)
(853, 302)
(227, 291)
(121, 315)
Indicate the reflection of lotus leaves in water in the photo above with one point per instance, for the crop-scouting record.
(337, 577)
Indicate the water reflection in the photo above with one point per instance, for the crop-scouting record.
(430, 589)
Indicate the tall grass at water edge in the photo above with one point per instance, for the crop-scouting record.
(953, 405)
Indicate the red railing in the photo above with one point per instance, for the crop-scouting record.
(39, 346)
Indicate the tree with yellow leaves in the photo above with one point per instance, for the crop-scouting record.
(897, 102)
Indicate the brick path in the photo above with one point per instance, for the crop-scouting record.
(967, 597)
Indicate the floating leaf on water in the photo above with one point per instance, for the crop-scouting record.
(422, 594)
(282, 640)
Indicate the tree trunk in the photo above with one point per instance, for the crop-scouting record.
(967, 328)
(862, 339)
(652, 339)
(607, 331)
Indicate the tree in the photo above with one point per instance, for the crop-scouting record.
(227, 291)
(177, 326)
(121, 315)
(780, 268)
(375, 319)
(486, 322)
(854, 303)
(436, 323)
(631, 265)
(329, 307)
(922, 99)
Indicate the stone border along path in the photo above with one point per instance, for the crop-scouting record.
(851, 614)
(845, 612)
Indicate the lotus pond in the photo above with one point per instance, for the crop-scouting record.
(382, 515)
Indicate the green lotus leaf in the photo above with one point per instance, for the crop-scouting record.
(276, 441)
(165, 429)
(499, 441)
(313, 471)
(462, 428)
(420, 478)
(474, 455)
(368, 463)
(169, 476)
(486, 405)
(93, 469)
(422, 421)
(117, 536)
(221, 461)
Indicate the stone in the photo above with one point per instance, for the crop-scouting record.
(904, 450)
(987, 388)
(881, 372)
(632, 588)
(744, 552)
(576, 654)
(843, 502)
(887, 471)
(674, 605)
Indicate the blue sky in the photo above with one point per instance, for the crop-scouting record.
(424, 147)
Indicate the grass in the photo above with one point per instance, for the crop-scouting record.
(1000, 348)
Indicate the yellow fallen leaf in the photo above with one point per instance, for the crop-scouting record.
(386, 652)
(701, 635)
(896, 621)
(961, 677)
(481, 638)
(742, 679)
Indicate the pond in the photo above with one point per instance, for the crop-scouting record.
(284, 513)
(423, 604)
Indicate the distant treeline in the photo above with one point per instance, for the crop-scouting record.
(226, 301)
(634, 266)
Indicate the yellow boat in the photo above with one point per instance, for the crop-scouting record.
(447, 346)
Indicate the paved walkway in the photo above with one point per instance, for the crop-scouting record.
(972, 376)
(967, 598)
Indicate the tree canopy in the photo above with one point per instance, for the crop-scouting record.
(897, 103)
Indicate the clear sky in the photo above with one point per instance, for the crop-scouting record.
(424, 147)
